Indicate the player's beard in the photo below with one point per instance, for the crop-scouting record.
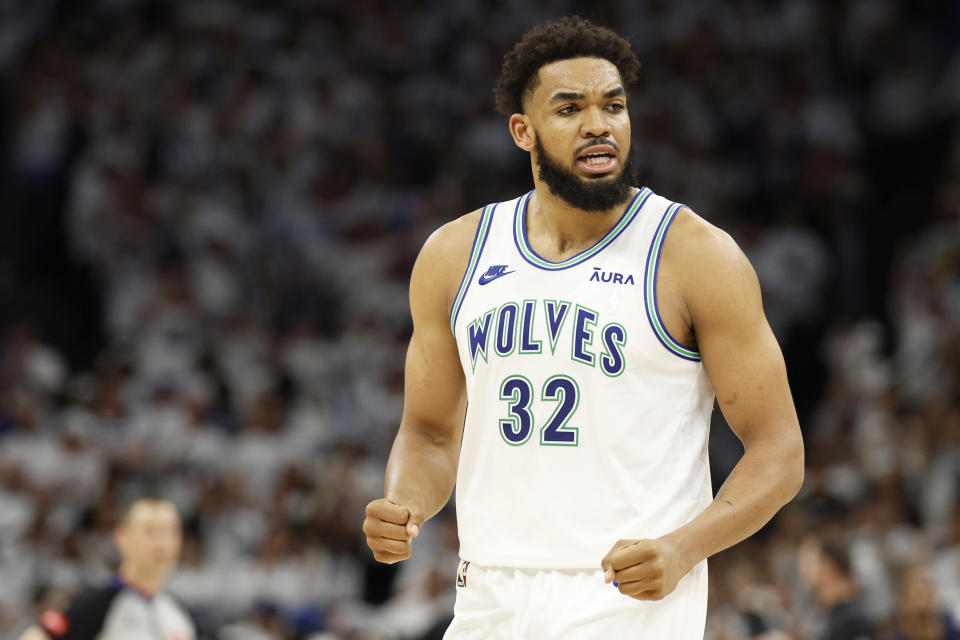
(598, 194)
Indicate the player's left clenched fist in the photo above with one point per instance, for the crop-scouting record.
(390, 528)
(644, 569)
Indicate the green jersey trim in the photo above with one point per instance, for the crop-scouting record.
(650, 290)
(528, 254)
(479, 240)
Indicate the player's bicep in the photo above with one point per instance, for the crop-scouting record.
(434, 395)
(738, 348)
(434, 391)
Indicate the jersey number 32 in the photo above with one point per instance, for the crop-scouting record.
(517, 392)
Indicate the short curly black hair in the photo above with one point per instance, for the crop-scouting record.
(570, 37)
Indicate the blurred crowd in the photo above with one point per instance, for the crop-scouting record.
(210, 213)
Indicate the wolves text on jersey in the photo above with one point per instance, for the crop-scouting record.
(514, 327)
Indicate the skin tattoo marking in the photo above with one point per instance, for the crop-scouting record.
(721, 494)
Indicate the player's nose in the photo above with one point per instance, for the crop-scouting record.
(594, 124)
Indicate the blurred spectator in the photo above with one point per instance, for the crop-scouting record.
(920, 615)
(826, 567)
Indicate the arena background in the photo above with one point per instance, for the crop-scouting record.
(209, 214)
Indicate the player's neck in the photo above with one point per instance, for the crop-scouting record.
(147, 583)
(557, 230)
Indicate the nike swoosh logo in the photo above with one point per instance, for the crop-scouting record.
(485, 279)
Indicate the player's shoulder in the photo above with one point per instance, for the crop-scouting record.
(446, 251)
(442, 262)
(453, 239)
(690, 230)
(714, 275)
(702, 251)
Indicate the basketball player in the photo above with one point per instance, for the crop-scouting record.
(583, 330)
(134, 604)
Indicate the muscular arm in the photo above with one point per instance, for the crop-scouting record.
(423, 462)
(745, 365)
(422, 467)
(747, 370)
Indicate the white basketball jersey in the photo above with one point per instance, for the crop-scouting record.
(586, 421)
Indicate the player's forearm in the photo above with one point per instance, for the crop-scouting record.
(767, 477)
(422, 468)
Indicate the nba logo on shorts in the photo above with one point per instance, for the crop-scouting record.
(462, 573)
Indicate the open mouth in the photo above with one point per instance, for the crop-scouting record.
(597, 160)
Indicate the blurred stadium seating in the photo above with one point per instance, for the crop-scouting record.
(210, 211)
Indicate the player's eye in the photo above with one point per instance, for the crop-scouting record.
(616, 107)
(568, 109)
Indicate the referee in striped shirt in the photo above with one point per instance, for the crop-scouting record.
(134, 605)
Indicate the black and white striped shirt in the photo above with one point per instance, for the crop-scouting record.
(119, 612)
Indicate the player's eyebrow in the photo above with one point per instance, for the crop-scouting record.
(561, 96)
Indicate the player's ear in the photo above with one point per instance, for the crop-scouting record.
(522, 132)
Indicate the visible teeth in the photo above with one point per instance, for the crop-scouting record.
(597, 160)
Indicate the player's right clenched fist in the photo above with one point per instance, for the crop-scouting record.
(390, 527)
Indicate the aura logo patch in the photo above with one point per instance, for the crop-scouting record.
(599, 275)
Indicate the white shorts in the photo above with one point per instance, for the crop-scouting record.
(497, 603)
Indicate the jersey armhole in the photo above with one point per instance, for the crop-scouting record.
(670, 343)
(479, 241)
